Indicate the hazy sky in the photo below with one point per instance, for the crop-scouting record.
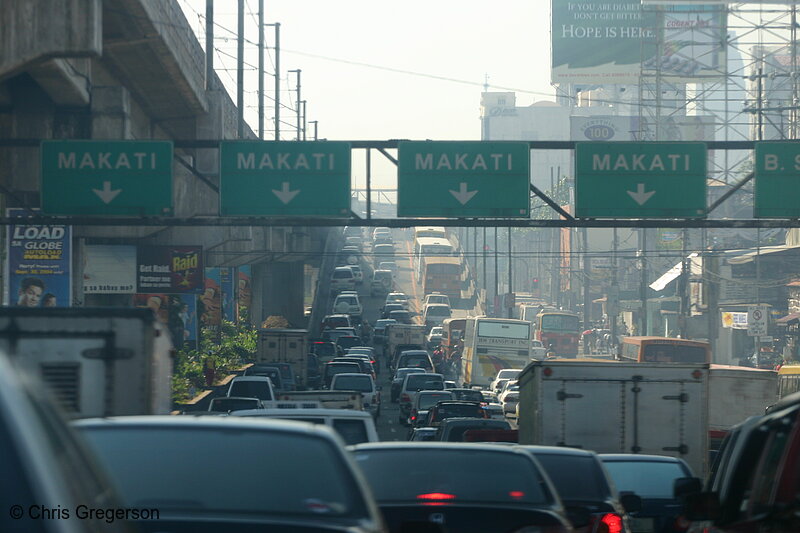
(459, 39)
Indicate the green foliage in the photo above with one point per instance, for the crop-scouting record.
(224, 349)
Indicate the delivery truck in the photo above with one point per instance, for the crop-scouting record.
(401, 337)
(291, 346)
(96, 361)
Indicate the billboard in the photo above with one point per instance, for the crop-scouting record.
(109, 269)
(611, 41)
(169, 269)
(600, 41)
(39, 264)
(635, 128)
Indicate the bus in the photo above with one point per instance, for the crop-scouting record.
(788, 380)
(492, 344)
(665, 350)
(559, 332)
(443, 275)
(427, 247)
(437, 232)
(452, 331)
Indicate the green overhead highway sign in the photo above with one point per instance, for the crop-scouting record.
(285, 178)
(640, 180)
(777, 180)
(463, 179)
(106, 178)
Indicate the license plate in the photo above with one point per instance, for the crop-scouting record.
(642, 525)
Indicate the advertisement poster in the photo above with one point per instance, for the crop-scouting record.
(600, 41)
(209, 304)
(177, 311)
(109, 269)
(169, 269)
(39, 264)
(693, 38)
(227, 277)
(635, 128)
(245, 293)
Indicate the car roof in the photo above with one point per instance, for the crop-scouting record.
(198, 422)
(557, 450)
(635, 457)
(471, 446)
(413, 352)
(458, 402)
(338, 413)
(351, 374)
(251, 378)
(343, 268)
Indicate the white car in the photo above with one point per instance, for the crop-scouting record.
(435, 314)
(434, 338)
(538, 351)
(343, 279)
(503, 375)
(357, 273)
(437, 298)
(347, 303)
(251, 387)
(364, 384)
(353, 426)
(397, 298)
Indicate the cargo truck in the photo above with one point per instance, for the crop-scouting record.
(327, 399)
(96, 361)
(649, 408)
(401, 337)
(285, 346)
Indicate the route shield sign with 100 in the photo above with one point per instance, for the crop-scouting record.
(285, 178)
(640, 180)
(106, 178)
(777, 180)
(463, 179)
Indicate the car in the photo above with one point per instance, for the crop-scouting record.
(412, 384)
(389, 307)
(352, 231)
(397, 298)
(388, 265)
(342, 279)
(402, 316)
(449, 384)
(324, 350)
(348, 303)
(251, 387)
(354, 240)
(423, 402)
(434, 338)
(320, 487)
(287, 375)
(270, 371)
(460, 487)
(363, 363)
(506, 385)
(383, 253)
(652, 478)
(363, 383)
(379, 329)
(225, 404)
(46, 466)
(414, 358)
(538, 350)
(454, 409)
(436, 298)
(338, 367)
(468, 395)
(453, 429)
(358, 273)
(504, 374)
(382, 282)
(585, 487)
(336, 321)
(435, 314)
(422, 434)
(509, 403)
(353, 427)
(367, 351)
(348, 341)
(399, 377)
(381, 230)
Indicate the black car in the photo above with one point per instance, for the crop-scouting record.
(348, 341)
(388, 308)
(468, 395)
(461, 487)
(454, 409)
(652, 478)
(584, 487)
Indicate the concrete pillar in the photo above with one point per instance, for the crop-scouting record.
(278, 290)
(111, 113)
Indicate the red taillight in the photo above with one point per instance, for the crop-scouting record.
(613, 522)
(517, 494)
(413, 414)
(436, 496)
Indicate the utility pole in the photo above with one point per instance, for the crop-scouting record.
(240, 71)
(496, 274)
(643, 281)
(510, 285)
(209, 45)
(297, 70)
(484, 271)
(261, 69)
(277, 79)
(612, 298)
(587, 271)
(304, 120)
(315, 123)
(683, 287)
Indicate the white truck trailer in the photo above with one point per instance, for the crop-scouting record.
(285, 346)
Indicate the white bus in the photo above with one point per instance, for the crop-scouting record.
(492, 344)
(437, 232)
(427, 247)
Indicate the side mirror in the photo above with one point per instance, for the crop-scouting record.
(702, 506)
(630, 501)
(685, 486)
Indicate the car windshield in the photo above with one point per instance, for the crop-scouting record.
(647, 479)
(312, 475)
(361, 383)
(324, 349)
(426, 400)
(438, 311)
(508, 374)
(401, 372)
(251, 389)
(468, 395)
(416, 382)
(416, 360)
(455, 410)
(576, 477)
(233, 404)
(342, 274)
(459, 475)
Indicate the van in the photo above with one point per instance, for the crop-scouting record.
(342, 279)
(354, 427)
(435, 314)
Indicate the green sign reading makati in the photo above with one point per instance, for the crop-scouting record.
(132, 178)
(457, 179)
(285, 178)
(640, 180)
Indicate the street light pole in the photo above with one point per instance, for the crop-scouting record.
(297, 100)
